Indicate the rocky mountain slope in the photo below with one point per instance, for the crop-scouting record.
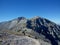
(37, 28)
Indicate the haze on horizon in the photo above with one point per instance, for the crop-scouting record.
(10, 9)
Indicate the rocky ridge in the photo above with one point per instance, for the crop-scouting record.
(37, 28)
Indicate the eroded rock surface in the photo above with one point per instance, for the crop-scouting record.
(36, 28)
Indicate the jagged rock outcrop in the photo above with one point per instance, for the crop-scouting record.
(37, 28)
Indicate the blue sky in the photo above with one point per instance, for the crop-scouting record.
(10, 9)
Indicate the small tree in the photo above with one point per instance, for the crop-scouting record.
(36, 37)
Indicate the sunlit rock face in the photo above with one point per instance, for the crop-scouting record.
(38, 28)
(20, 40)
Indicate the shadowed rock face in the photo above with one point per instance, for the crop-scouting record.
(37, 26)
(45, 27)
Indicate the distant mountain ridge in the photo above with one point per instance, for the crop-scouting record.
(36, 27)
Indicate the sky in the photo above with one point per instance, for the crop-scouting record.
(10, 9)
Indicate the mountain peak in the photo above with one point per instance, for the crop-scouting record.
(21, 18)
(18, 19)
(36, 17)
(36, 27)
